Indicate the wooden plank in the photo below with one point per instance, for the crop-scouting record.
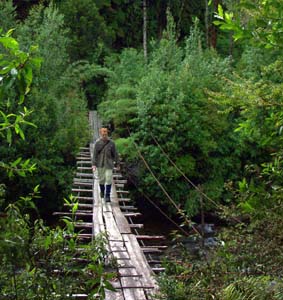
(97, 219)
(88, 175)
(84, 198)
(150, 237)
(131, 215)
(120, 219)
(117, 176)
(117, 295)
(89, 180)
(83, 162)
(82, 183)
(77, 213)
(136, 226)
(132, 294)
(82, 190)
(83, 225)
(120, 181)
(84, 153)
(111, 227)
(139, 260)
(119, 185)
(124, 199)
(128, 207)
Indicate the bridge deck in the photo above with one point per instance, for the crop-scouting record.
(135, 280)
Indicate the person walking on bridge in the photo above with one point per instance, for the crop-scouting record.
(105, 157)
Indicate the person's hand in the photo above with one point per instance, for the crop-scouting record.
(93, 168)
(118, 168)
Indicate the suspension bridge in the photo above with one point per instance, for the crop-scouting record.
(136, 253)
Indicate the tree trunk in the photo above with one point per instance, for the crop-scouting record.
(206, 23)
(213, 28)
(144, 30)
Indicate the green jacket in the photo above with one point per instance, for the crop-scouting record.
(105, 154)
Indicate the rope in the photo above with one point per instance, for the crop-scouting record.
(179, 211)
(160, 210)
(189, 181)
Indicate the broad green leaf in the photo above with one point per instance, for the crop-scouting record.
(220, 11)
(9, 43)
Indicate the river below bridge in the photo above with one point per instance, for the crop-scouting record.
(155, 223)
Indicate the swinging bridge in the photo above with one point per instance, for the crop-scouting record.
(134, 252)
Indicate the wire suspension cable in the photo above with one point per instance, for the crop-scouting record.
(183, 174)
(180, 212)
(160, 210)
(188, 180)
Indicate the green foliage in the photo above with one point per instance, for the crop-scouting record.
(253, 288)
(246, 264)
(7, 15)
(60, 104)
(16, 76)
(167, 99)
(259, 22)
(88, 31)
(124, 73)
(176, 111)
(37, 262)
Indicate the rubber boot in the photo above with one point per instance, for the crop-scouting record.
(108, 191)
(102, 190)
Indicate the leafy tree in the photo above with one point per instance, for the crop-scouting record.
(88, 31)
(259, 22)
(57, 97)
(16, 77)
(35, 260)
(7, 15)
(167, 100)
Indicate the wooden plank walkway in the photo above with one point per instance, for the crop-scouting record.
(135, 280)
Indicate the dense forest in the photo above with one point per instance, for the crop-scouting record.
(193, 91)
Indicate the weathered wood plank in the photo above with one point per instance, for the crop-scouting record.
(150, 237)
(120, 181)
(89, 180)
(77, 213)
(129, 214)
(117, 295)
(136, 226)
(124, 199)
(139, 260)
(122, 192)
(84, 198)
(83, 225)
(120, 219)
(82, 190)
(83, 162)
(87, 175)
(97, 219)
(128, 207)
(82, 183)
